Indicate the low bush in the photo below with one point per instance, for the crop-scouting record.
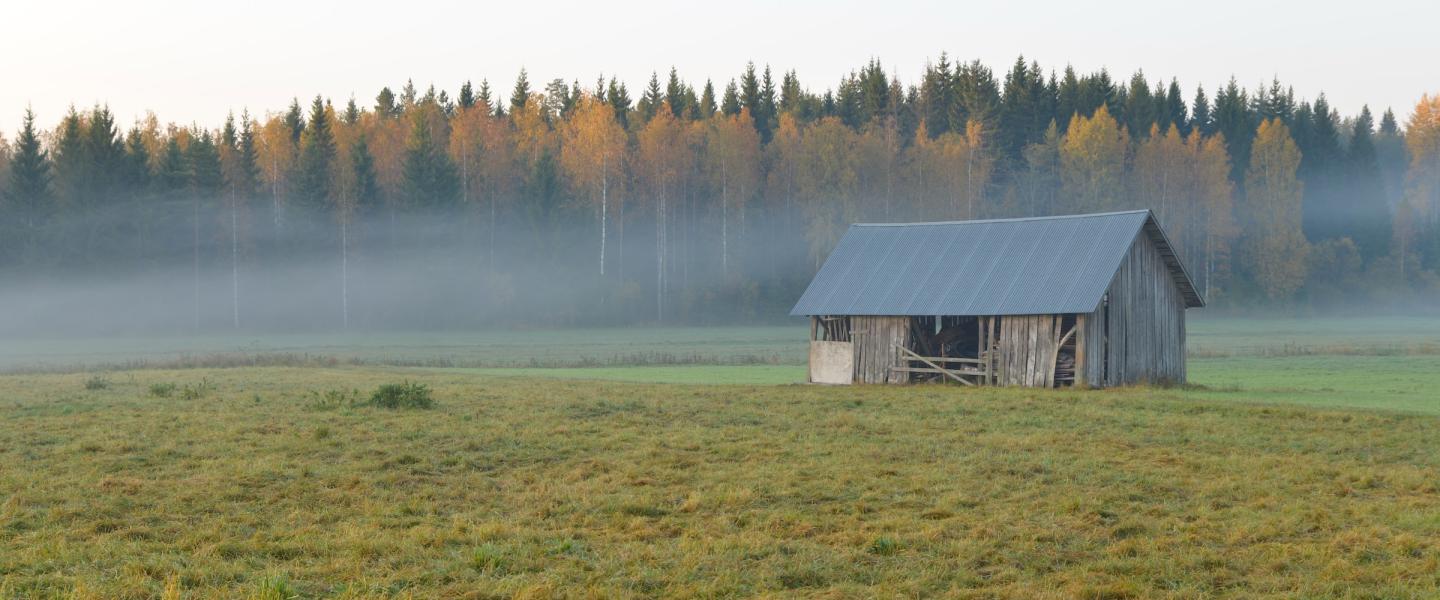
(97, 382)
(162, 390)
(196, 391)
(333, 399)
(402, 395)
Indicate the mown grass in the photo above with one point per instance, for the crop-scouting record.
(1210, 337)
(523, 487)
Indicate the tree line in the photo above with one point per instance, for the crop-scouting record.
(713, 204)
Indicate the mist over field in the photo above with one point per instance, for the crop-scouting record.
(688, 203)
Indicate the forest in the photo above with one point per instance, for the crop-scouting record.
(681, 202)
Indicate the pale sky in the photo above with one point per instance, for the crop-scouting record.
(193, 61)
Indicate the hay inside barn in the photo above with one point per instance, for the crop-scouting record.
(1092, 300)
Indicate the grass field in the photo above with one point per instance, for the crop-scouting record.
(1304, 463)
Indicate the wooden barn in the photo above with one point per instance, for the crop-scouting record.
(1091, 300)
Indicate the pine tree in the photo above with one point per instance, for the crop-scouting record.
(317, 154)
(385, 104)
(408, 96)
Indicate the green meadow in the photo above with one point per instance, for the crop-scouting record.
(690, 463)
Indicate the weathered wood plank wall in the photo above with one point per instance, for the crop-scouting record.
(875, 340)
(1145, 324)
(1027, 348)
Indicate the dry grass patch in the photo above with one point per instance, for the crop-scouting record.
(261, 487)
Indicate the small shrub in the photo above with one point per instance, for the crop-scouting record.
(197, 391)
(402, 395)
(884, 546)
(333, 399)
(275, 588)
(488, 558)
(162, 390)
(322, 432)
(97, 382)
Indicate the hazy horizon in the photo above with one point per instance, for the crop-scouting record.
(193, 63)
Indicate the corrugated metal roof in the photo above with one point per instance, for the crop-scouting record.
(1042, 265)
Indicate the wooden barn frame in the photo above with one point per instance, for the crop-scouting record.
(1088, 300)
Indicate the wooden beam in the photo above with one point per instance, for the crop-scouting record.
(907, 352)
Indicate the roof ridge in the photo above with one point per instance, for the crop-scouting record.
(1006, 220)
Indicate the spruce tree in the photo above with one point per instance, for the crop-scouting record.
(367, 187)
(1232, 118)
(317, 154)
(1318, 137)
(1017, 110)
(466, 99)
(619, 99)
(937, 95)
(249, 159)
(295, 120)
(72, 166)
(1366, 207)
(429, 177)
(1175, 110)
(28, 196)
(202, 159)
(485, 99)
(137, 163)
(730, 103)
(1200, 117)
(650, 101)
(171, 171)
(520, 95)
(352, 112)
(790, 92)
(1067, 98)
(707, 101)
(769, 114)
(1139, 107)
(675, 95)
